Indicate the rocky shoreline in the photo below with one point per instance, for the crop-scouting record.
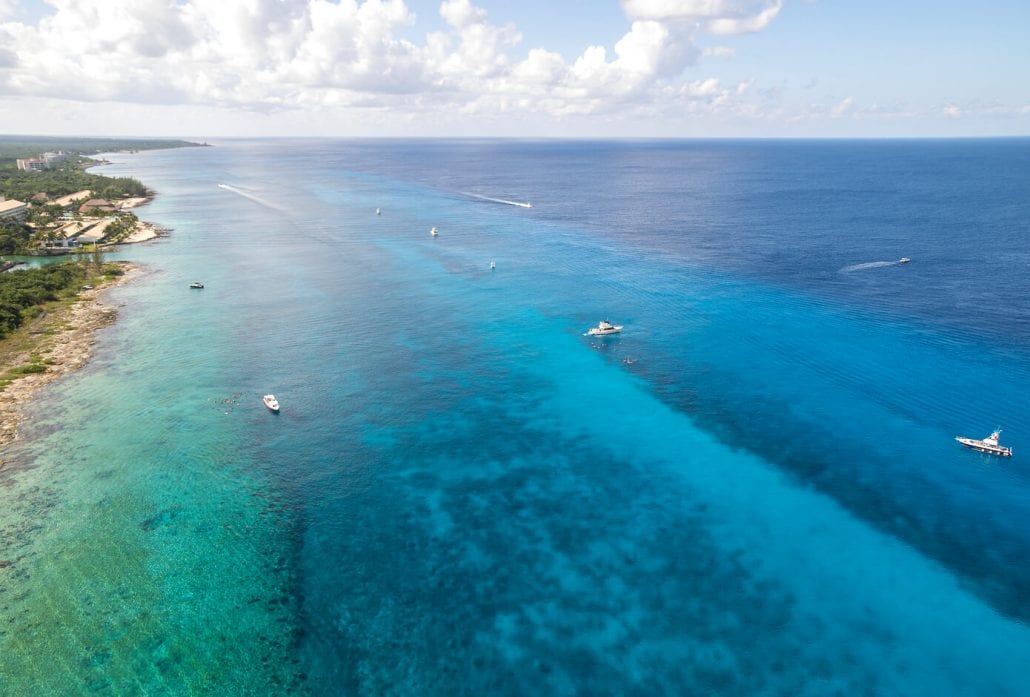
(66, 344)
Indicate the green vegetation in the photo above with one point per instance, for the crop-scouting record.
(13, 147)
(65, 178)
(68, 176)
(28, 369)
(120, 228)
(24, 292)
(14, 236)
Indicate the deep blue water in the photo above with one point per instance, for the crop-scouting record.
(753, 490)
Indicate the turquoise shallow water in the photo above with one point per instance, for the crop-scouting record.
(753, 490)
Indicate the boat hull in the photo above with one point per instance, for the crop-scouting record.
(980, 446)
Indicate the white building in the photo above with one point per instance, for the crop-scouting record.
(32, 164)
(13, 210)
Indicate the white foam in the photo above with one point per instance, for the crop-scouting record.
(253, 197)
(520, 204)
(868, 265)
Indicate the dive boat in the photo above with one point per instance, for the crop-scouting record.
(904, 260)
(271, 402)
(196, 284)
(604, 328)
(988, 445)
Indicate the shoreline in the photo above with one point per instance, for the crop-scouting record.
(144, 231)
(68, 348)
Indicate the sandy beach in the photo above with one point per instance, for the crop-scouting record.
(67, 349)
(144, 232)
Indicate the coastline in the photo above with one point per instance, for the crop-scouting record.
(144, 231)
(69, 335)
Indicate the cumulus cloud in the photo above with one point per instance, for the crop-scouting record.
(270, 55)
(711, 16)
(7, 8)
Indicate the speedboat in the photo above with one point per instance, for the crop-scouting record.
(904, 260)
(604, 328)
(271, 402)
(196, 284)
(988, 445)
(434, 232)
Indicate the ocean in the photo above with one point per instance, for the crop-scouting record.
(754, 489)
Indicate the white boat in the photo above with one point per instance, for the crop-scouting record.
(493, 265)
(378, 212)
(196, 284)
(988, 445)
(434, 232)
(604, 328)
(904, 260)
(271, 402)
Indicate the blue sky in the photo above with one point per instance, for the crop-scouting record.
(559, 68)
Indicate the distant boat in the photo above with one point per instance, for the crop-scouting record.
(271, 402)
(378, 211)
(604, 328)
(434, 232)
(904, 260)
(988, 445)
(493, 265)
(196, 284)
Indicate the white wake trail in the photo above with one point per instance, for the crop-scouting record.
(506, 202)
(256, 199)
(868, 265)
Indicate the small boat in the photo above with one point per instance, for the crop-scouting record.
(988, 445)
(196, 284)
(904, 260)
(493, 265)
(604, 328)
(271, 402)
(434, 232)
(378, 212)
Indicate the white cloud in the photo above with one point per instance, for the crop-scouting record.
(712, 16)
(275, 55)
(952, 111)
(843, 107)
(718, 52)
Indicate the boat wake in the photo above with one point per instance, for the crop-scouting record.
(868, 265)
(520, 204)
(256, 199)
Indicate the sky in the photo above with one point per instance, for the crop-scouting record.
(515, 68)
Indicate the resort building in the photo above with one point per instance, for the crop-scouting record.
(32, 164)
(97, 205)
(38, 164)
(13, 210)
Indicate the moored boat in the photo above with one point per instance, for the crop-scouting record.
(271, 402)
(604, 328)
(989, 445)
